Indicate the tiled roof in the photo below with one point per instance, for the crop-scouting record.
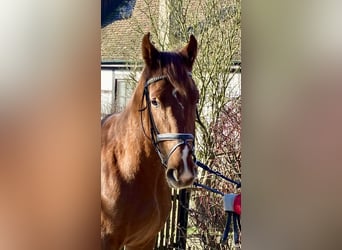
(123, 27)
(120, 35)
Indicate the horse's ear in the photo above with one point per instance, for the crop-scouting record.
(149, 53)
(190, 51)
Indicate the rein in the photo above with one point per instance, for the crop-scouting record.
(217, 173)
(232, 217)
(156, 136)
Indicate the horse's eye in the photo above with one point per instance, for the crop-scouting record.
(154, 102)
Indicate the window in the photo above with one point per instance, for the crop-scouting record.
(115, 91)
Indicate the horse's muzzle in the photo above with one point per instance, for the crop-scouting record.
(183, 175)
(179, 162)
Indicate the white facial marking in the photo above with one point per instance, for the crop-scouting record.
(175, 174)
(174, 93)
(186, 174)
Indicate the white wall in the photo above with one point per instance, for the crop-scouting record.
(235, 85)
(106, 91)
(108, 76)
(114, 87)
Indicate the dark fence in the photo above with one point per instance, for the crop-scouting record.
(173, 235)
(190, 228)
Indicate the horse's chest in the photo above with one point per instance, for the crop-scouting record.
(146, 217)
(150, 211)
(141, 208)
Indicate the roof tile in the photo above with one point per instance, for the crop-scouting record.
(121, 39)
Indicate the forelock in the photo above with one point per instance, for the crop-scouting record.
(174, 67)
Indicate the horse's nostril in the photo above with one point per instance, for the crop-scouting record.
(172, 174)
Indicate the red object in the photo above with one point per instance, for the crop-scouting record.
(237, 204)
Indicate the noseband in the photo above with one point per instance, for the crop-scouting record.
(156, 137)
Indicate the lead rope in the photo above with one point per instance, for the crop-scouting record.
(236, 228)
(230, 214)
(236, 217)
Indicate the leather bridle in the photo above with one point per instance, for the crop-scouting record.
(157, 137)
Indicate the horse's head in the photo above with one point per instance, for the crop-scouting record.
(171, 96)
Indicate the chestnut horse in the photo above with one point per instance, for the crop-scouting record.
(148, 148)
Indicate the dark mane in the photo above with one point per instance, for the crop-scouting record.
(172, 65)
(104, 119)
